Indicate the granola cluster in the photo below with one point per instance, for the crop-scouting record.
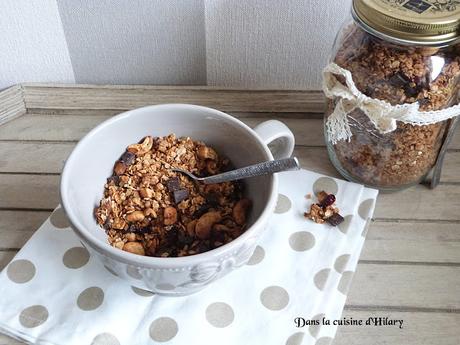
(324, 210)
(398, 75)
(148, 209)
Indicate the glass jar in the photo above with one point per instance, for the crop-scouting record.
(399, 65)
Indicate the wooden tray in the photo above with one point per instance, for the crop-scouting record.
(410, 266)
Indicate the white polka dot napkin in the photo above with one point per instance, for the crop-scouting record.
(53, 292)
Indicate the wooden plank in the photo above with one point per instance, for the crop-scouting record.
(6, 257)
(418, 329)
(122, 97)
(33, 157)
(308, 132)
(23, 157)
(406, 286)
(19, 191)
(11, 104)
(419, 202)
(16, 227)
(45, 127)
(6, 340)
(412, 242)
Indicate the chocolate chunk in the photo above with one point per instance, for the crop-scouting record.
(173, 184)
(335, 219)
(328, 200)
(399, 79)
(128, 158)
(180, 195)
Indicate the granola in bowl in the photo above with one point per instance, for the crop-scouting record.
(148, 209)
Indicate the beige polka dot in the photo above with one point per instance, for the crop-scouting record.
(20, 271)
(325, 184)
(365, 208)
(345, 225)
(274, 298)
(59, 219)
(321, 278)
(324, 341)
(302, 241)
(366, 227)
(345, 281)
(33, 316)
(163, 329)
(90, 299)
(314, 329)
(341, 262)
(219, 314)
(134, 273)
(295, 339)
(105, 339)
(165, 286)
(76, 257)
(142, 292)
(111, 271)
(283, 204)
(257, 256)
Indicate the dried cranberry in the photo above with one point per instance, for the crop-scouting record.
(328, 200)
(335, 219)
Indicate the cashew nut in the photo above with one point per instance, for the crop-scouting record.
(134, 247)
(136, 216)
(144, 147)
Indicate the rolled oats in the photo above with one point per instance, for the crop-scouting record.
(148, 209)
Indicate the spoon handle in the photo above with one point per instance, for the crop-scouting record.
(259, 169)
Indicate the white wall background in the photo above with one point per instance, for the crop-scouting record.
(235, 43)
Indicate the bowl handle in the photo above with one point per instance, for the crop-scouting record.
(277, 136)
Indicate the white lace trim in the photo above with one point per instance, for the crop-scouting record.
(382, 114)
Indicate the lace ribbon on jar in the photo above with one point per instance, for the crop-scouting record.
(382, 114)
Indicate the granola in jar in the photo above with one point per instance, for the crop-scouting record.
(148, 209)
(398, 73)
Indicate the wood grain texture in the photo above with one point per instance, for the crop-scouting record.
(121, 97)
(406, 286)
(16, 227)
(418, 329)
(72, 127)
(22, 155)
(11, 104)
(407, 242)
(41, 127)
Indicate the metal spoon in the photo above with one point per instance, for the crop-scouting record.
(259, 169)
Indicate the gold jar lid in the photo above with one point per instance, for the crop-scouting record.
(420, 22)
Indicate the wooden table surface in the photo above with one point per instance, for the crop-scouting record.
(409, 267)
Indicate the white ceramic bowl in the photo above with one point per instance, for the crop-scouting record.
(92, 160)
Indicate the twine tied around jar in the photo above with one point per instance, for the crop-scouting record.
(381, 113)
